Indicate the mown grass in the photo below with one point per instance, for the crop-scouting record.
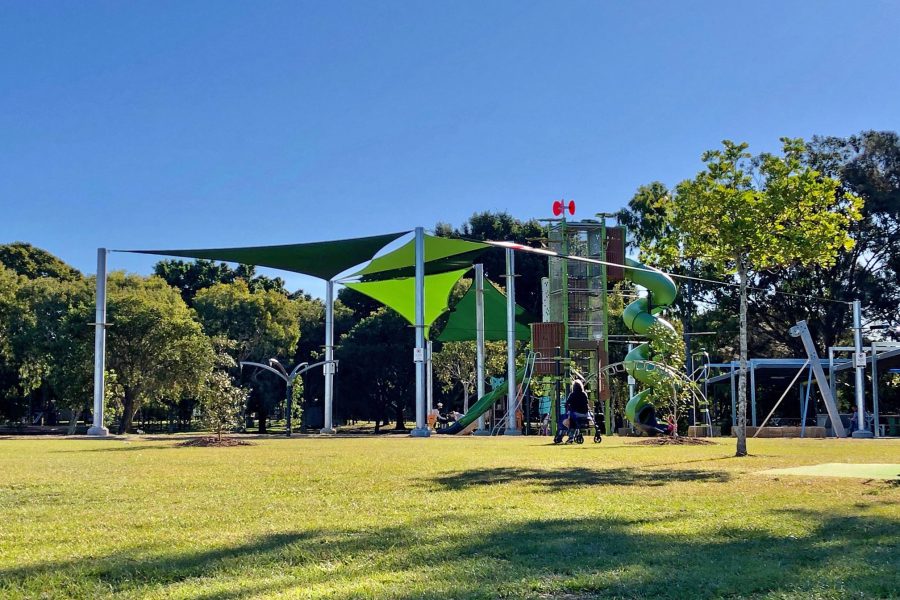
(442, 518)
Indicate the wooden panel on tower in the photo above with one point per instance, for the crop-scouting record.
(615, 253)
(546, 339)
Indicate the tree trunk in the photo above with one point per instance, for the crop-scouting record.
(262, 415)
(398, 416)
(465, 399)
(128, 409)
(73, 421)
(742, 374)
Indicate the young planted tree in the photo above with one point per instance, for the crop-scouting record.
(744, 214)
(221, 404)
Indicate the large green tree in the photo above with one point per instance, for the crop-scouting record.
(189, 277)
(155, 347)
(504, 227)
(33, 263)
(263, 324)
(376, 376)
(747, 214)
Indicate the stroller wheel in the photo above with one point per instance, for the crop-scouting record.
(579, 439)
(597, 439)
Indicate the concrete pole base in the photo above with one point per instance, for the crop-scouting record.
(420, 432)
(863, 434)
(98, 432)
(324, 431)
(482, 432)
(512, 432)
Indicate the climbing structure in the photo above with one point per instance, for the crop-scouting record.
(640, 316)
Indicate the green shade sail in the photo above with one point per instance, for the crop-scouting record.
(399, 294)
(461, 325)
(324, 260)
(441, 255)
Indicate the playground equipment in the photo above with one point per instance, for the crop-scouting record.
(484, 404)
(575, 327)
(640, 317)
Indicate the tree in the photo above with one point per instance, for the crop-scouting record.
(867, 165)
(189, 277)
(33, 263)
(375, 364)
(745, 214)
(456, 364)
(502, 226)
(155, 347)
(221, 403)
(262, 323)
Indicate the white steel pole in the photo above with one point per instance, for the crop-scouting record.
(100, 347)
(421, 429)
(429, 378)
(328, 367)
(479, 340)
(511, 428)
(859, 360)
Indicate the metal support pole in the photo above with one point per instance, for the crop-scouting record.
(806, 404)
(832, 382)
(479, 341)
(859, 361)
(511, 428)
(733, 394)
(97, 429)
(875, 423)
(802, 331)
(328, 368)
(289, 404)
(429, 378)
(753, 393)
(421, 429)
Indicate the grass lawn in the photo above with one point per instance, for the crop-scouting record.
(394, 517)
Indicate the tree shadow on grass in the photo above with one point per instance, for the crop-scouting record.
(838, 556)
(573, 477)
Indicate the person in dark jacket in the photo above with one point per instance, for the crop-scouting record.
(577, 404)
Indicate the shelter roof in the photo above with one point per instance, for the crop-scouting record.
(324, 260)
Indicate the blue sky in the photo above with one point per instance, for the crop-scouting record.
(198, 124)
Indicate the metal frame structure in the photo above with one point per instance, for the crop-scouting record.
(289, 379)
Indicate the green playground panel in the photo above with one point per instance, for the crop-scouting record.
(861, 471)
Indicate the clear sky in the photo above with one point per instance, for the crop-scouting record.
(201, 124)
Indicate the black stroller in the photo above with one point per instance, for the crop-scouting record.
(577, 430)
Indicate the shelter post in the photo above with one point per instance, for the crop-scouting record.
(511, 428)
(421, 430)
(97, 429)
(479, 341)
(328, 368)
(859, 361)
(429, 377)
(875, 424)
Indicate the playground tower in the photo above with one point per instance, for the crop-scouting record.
(575, 310)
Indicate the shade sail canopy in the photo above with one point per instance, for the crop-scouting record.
(324, 260)
(441, 255)
(461, 325)
(399, 294)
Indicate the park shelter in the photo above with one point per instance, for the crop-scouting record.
(443, 258)
(399, 294)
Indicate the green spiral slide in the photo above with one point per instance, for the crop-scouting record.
(639, 317)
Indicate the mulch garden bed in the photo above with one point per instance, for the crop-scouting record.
(208, 441)
(674, 441)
